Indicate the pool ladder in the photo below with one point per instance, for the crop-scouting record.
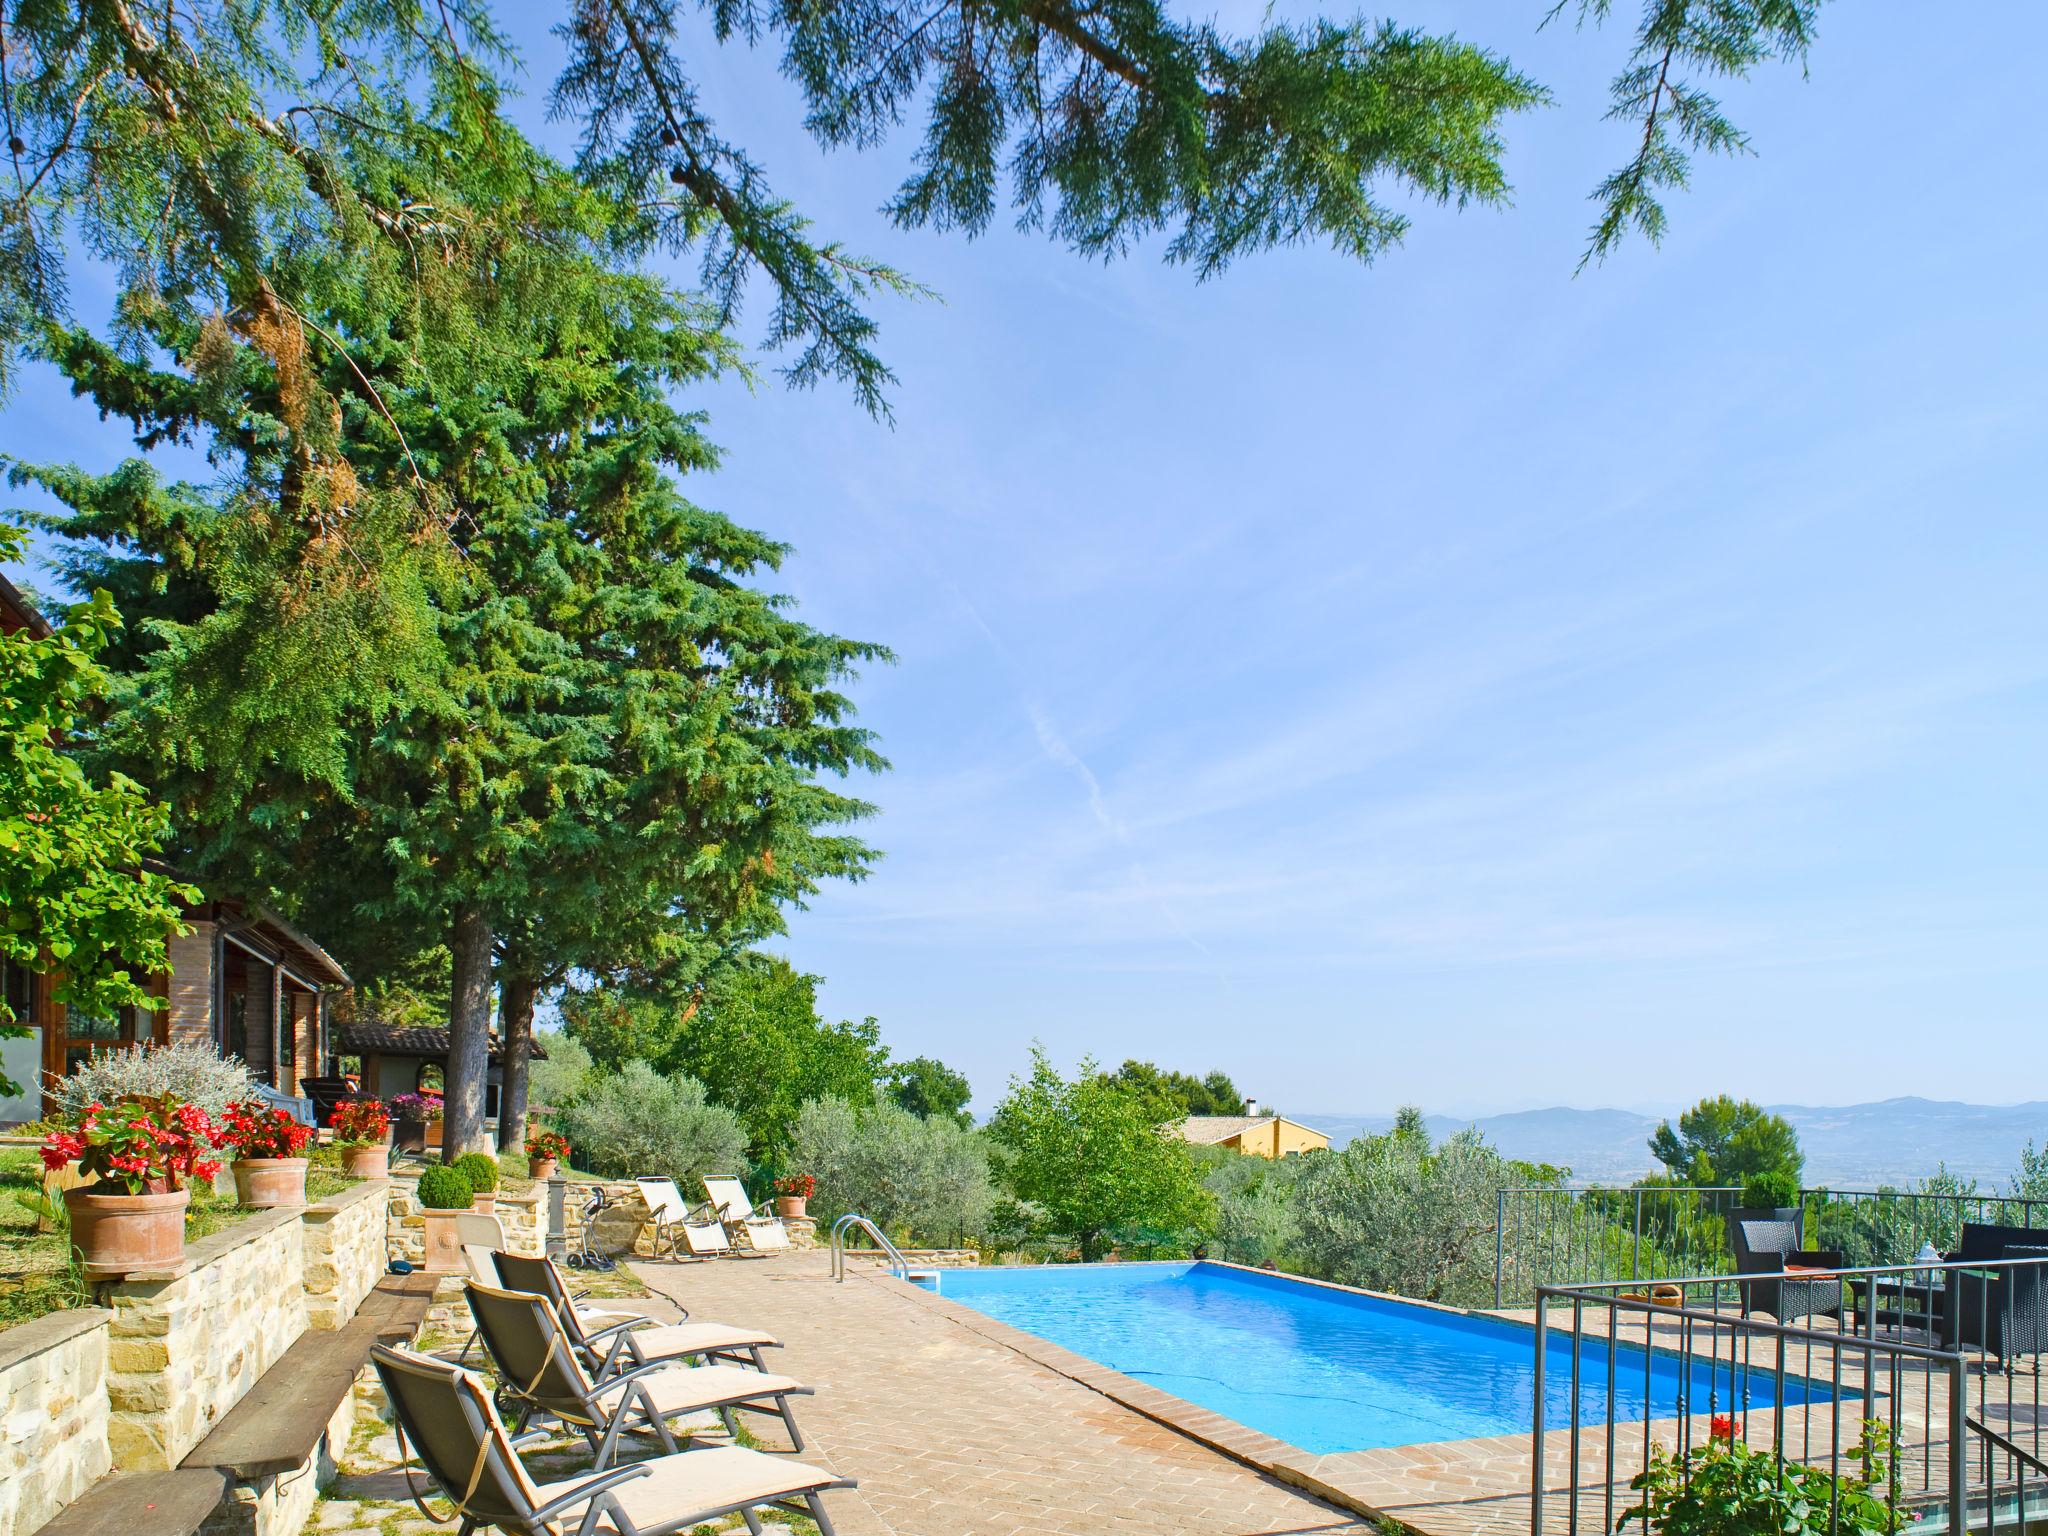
(898, 1265)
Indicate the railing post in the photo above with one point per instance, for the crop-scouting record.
(1958, 1448)
(1536, 1470)
(1636, 1263)
(1500, 1230)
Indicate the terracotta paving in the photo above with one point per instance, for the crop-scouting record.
(955, 1434)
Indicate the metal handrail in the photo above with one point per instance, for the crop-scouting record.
(897, 1262)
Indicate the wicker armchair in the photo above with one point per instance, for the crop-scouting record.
(1765, 1248)
(2003, 1312)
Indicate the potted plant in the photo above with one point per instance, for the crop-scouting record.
(139, 1151)
(545, 1149)
(481, 1169)
(362, 1129)
(415, 1112)
(793, 1194)
(268, 1167)
(444, 1195)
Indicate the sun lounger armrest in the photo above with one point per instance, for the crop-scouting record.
(612, 1385)
(592, 1335)
(584, 1492)
(532, 1437)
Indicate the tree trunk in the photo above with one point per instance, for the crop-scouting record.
(469, 1036)
(515, 1006)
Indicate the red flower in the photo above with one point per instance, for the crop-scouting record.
(1724, 1426)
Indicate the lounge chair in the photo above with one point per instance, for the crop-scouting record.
(680, 1225)
(763, 1234)
(540, 1369)
(1768, 1248)
(636, 1340)
(445, 1413)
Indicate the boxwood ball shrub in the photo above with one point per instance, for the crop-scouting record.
(445, 1188)
(481, 1169)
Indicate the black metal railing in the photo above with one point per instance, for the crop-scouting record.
(1893, 1396)
(1560, 1236)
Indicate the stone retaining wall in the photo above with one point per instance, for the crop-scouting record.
(53, 1415)
(184, 1346)
(343, 1255)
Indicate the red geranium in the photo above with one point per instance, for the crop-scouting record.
(543, 1144)
(147, 1145)
(1723, 1426)
(361, 1122)
(257, 1130)
(796, 1186)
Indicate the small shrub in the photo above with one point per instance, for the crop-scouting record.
(1770, 1191)
(928, 1178)
(190, 1071)
(445, 1187)
(481, 1169)
(1728, 1488)
(641, 1122)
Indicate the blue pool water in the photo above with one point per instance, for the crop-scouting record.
(1323, 1369)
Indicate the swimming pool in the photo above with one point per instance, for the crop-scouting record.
(1323, 1369)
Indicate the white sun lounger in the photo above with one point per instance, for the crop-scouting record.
(763, 1234)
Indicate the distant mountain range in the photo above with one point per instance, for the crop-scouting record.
(1848, 1146)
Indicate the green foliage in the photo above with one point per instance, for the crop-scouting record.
(480, 1168)
(638, 1121)
(1089, 1155)
(1677, 40)
(1727, 1141)
(1255, 1219)
(1772, 1189)
(753, 1038)
(72, 843)
(1181, 1093)
(1729, 1488)
(561, 1077)
(921, 1177)
(2030, 1179)
(1391, 1213)
(926, 1086)
(446, 1187)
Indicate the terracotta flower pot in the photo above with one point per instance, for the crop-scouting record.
(432, 1135)
(117, 1234)
(367, 1162)
(270, 1181)
(486, 1200)
(540, 1167)
(792, 1207)
(444, 1242)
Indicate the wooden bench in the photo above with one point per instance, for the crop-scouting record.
(141, 1504)
(277, 1427)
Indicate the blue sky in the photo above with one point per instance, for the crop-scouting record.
(1454, 681)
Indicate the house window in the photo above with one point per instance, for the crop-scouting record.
(20, 988)
(238, 1025)
(87, 1035)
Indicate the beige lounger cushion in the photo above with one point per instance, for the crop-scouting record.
(696, 1338)
(688, 1388)
(695, 1480)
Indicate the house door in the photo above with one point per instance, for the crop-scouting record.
(78, 1036)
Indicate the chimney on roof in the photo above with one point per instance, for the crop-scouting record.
(1251, 1108)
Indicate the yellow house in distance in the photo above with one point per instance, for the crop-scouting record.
(1259, 1135)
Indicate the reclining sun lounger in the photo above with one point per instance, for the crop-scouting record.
(540, 1369)
(761, 1234)
(445, 1415)
(679, 1225)
(638, 1340)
